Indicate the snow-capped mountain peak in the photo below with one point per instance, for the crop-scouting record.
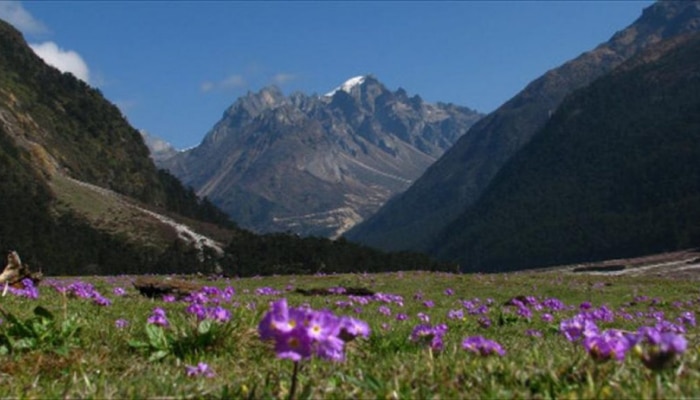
(348, 85)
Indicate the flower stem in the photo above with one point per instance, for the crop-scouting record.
(294, 380)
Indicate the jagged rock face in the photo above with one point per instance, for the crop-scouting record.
(414, 219)
(317, 165)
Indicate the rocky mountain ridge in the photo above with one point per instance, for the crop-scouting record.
(317, 165)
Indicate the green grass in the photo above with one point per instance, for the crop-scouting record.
(99, 362)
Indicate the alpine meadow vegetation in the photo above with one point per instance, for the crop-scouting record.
(405, 335)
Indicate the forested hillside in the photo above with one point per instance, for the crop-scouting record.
(614, 173)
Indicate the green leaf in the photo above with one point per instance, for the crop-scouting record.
(158, 355)
(42, 312)
(24, 344)
(156, 336)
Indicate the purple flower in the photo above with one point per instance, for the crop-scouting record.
(350, 328)
(276, 321)
(424, 317)
(266, 291)
(197, 310)
(201, 369)
(687, 318)
(431, 335)
(429, 303)
(121, 323)
(159, 318)
(469, 304)
(337, 290)
(220, 314)
(667, 326)
(331, 348)
(294, 345)
(658, 349)
(119, 291)
(455, 314)
(554, 304)
(28, 290)
(609, 344)
(524, 312)
(85, 291)
(321, 324)
(579, 326)
(384, 310)
(482, 346)
(401, 317)
(449, 292)
(100, 300)
(299, 332)
(197, 298)
(484, 322)
(227, 294)
(601, 314)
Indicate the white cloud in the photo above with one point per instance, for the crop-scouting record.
(238, 81)
(63, 60)
(282, 78)
(17, 16)
(233, 82)
(206, 86)
(229, 83)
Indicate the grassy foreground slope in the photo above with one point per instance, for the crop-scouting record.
(75, 347)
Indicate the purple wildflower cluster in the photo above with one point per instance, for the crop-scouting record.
(267, 291)
(28, 289)
(83, 290)
(299, 332)
(657, 346)
(206, 303)
(159, 318)
(482, 346)
(432, 335)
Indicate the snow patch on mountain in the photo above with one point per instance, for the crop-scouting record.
(348, 85)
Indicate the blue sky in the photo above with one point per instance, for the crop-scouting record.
(174, 67)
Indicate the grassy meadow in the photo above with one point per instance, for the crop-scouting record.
(91, 337)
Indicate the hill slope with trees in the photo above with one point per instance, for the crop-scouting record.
(613, 173)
